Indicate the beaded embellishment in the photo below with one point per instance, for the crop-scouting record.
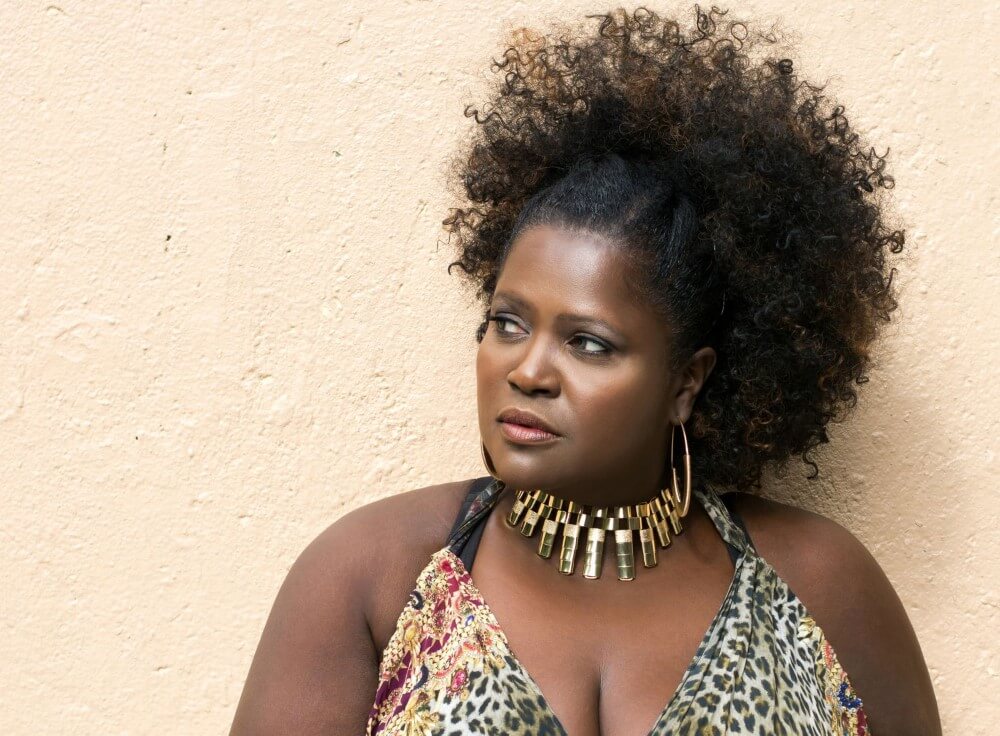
(847, 715)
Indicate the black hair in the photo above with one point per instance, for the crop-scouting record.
(751, 205)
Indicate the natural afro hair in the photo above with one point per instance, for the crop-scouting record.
(753, 207)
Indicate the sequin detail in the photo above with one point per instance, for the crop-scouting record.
(847, 715)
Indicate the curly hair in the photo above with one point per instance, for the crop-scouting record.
(751, 205)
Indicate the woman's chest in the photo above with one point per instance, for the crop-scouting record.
(607, 658)
(582, 660)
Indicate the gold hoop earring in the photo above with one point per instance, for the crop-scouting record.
(487, 461)
(684, 505)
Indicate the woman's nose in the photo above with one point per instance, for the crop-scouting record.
(534, 371)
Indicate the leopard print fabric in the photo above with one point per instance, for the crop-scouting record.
(763, 667)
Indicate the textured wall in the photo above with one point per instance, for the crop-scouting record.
(226, 321)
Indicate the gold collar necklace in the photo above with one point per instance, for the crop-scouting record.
(649, 518)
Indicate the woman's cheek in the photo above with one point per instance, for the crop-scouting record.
(624, 409)
(612, 414)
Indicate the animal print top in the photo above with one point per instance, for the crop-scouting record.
(763, 667)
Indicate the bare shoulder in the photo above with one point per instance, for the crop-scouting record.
(391, 540)
(332, 611)
(851, 598)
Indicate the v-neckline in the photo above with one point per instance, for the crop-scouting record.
(690, 670)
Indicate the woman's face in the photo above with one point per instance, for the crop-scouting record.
(569, 343)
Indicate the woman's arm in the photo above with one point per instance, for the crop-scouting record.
(315, 668)
(852, 600)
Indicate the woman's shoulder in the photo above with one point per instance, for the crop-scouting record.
(807, 549)
(422, 516)
(843, 587)
(822, 562)
(322, 634)
(388, 542)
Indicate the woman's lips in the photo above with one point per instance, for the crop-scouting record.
(520, 433)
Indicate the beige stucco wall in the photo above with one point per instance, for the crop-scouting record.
(226, 321)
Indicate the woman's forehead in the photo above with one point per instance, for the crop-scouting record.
(551, 264)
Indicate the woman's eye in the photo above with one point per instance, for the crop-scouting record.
(601, 347)
(500, 321)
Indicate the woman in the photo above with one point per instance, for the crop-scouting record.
(683, 258)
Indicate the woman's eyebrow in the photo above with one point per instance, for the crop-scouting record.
(562, 317)
(513, 299)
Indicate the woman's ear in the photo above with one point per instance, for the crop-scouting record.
(692, 378)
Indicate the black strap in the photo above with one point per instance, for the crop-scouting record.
(466, 549)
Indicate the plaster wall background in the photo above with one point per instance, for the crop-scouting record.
(225, 321)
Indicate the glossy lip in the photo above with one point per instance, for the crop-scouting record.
(514, 416)
(525, 435)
